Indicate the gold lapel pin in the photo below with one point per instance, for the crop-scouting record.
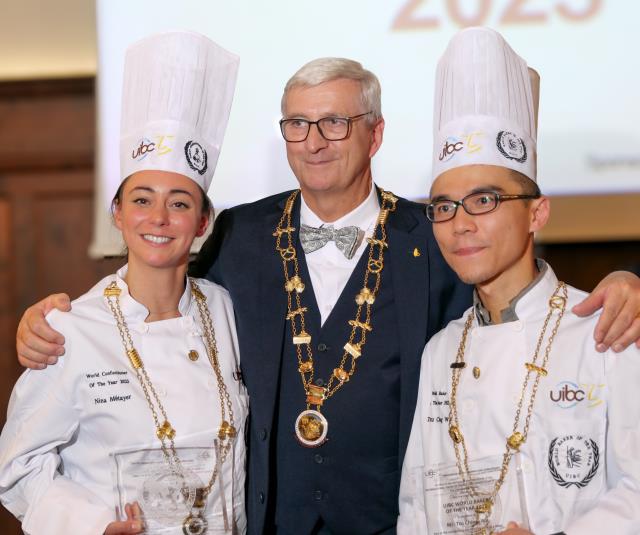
(416, 252)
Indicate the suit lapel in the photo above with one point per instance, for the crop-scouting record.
(408, 259)
(272, 301)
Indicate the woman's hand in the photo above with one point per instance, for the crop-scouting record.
(132, 525)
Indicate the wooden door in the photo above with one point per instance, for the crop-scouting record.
(46, 208)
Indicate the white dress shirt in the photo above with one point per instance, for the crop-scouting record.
(579, 470)
(328, 268)
(67, 425)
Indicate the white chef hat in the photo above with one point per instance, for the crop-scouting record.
(486, 105)
(176, 98)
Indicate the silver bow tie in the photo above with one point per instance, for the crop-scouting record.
(347, 239)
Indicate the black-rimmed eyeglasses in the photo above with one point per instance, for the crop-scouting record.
(330, 128)
(478, 203)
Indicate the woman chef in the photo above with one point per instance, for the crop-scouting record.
(145, 407)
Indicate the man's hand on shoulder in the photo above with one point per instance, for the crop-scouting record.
(37, 344)
(618, 294)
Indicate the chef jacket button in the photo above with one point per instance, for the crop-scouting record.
(317, 495)
(162, 391)
(322, 347)
(263, 434)
(261, 497)
(319, 459)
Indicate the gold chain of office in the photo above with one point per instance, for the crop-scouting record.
(557, 302)
(311, 426)
(194, 522)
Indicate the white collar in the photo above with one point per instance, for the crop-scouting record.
(533, 304)
(361, 216)
(133, 309)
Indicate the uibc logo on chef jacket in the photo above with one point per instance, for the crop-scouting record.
(567, 394)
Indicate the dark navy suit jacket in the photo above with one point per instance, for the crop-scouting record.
(240, 255)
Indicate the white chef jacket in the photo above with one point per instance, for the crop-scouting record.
(66, 423)
(579, 470)
(329, 269)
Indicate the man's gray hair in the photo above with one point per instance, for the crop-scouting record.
(323, 70)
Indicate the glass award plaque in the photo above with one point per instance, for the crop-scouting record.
(173, 498)
(455, 506)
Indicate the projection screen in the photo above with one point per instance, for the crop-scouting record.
(585, 51)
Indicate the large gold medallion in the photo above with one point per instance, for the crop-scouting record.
(311, 428)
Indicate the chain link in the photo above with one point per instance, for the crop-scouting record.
(483, 512)
(164, 431)
(294, 287)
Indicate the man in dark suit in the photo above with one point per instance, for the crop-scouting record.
(336, 289)
(348, 484)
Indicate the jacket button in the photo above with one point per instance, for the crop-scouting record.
(318, 458)
(261, 497)
(317, 495)
(263, 434)
(322, 347)
(319, 382)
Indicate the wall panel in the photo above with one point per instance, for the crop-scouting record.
(46, 204)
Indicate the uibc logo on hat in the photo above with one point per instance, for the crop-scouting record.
(196, 157)
(453, 145)
(568, 394)
(145, 146)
